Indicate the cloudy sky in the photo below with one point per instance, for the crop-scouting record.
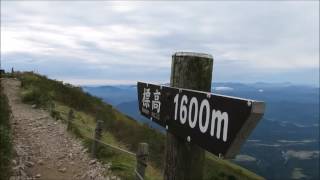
(105, 42)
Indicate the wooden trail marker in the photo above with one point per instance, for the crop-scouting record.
(194, 116)
(97, 137)
(70, 119)
(142, 159)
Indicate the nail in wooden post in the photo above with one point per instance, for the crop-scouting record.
(184, 160)
(97, 137)
(142, 159)
(70, 119)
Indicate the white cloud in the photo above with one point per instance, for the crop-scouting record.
(267, 145)
(302, 155)
(223, 88)
(247, 37)
(99, 81)
(301, 141)
(244, 158)
(297, 173)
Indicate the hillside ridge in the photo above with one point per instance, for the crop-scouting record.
(44, 150)
(119, 129)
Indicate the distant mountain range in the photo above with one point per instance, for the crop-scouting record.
(281, 99)
(286, 140)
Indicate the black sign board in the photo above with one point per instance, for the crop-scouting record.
(220, 124)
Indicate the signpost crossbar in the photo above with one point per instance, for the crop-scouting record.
(217, 123)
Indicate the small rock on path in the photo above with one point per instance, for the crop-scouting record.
(43, 146)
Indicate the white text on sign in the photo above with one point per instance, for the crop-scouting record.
(190, 111)
(155, 103)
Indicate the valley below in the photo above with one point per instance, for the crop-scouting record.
(285, 143)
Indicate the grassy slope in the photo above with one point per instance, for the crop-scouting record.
(5, 140)
(123, 164)
(120, 130)
(216, 168)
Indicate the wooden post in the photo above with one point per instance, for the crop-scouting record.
(70, 119)
(97, 137)
(52, 107)
(185, 160)
(142, 158)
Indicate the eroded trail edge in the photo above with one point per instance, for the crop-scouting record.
(44, 149)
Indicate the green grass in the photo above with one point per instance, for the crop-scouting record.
(122, 164)
(5, 137)
(119, 129)
(216, 168)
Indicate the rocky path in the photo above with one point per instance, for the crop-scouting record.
(44, 149)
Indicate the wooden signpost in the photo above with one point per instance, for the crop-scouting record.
(210, 120)
(194, 116)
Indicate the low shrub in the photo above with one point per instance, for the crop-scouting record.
(35, 95)
(5, 137)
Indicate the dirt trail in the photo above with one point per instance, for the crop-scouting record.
(43, 147)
